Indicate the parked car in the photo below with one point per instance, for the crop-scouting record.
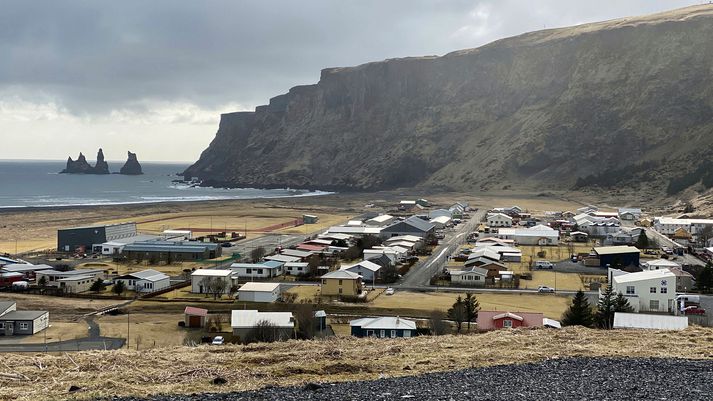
(226, 244)
(694, 310)
(218, 340)
(543, 264)
(389, 291)
(545, 289)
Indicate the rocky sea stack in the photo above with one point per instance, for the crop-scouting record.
(132, 166)
(81, 166)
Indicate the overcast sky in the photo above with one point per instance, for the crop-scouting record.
(154, 76)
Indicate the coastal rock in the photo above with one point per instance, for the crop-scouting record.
(132, 166)
(622, 103)
(82, 166)
(101, 167)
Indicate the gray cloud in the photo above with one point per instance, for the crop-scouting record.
(96, 56)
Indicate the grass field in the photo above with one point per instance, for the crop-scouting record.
(558, 281)
(186, 370)
(551, 305)
(153, 330)
(60, 308)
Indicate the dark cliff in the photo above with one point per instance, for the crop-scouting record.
(132, 166)
(628, 100)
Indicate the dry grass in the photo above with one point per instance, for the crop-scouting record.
(153, 330)
(559, 281)
(59, 331)
(60, 308)
(190, 370)
(552, 306)
(305, 292)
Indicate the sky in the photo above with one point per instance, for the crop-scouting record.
(153, 77)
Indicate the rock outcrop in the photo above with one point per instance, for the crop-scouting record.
(132, 166)
(81, 166)
(622, 102)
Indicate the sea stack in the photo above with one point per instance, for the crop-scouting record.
(102, 167)
(132, 166)
(80, 166)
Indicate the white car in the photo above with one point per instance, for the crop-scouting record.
(218, 340)
(546, 289)
(389, 291)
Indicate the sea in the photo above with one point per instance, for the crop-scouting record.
(37, 183)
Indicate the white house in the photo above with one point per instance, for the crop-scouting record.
(470, 276)
(380, 221)
(650, 291)
(440, 222)
(668, 225)
(200, 279)
(52, 277)
(499, 220)
(660, 264)
(259, 292)
(369, 271)
(76, 284)
(296, 268)
(244, 321)
(145, 281)
(537, 235)
(269, 269)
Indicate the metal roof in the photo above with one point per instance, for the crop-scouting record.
(98, 226)
(148, 274)
(249, 318)
(260, 287)
(384, 323)
(614, 250)
(342, 275)
(212, 273)
(23, 315)
(283, 258)
(190, 310)
(365, 264)
(644, 275)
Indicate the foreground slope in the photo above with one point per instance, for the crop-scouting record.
(610, 99)
(185, 370)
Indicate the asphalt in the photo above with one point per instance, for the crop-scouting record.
(552, 380)
(93, 341)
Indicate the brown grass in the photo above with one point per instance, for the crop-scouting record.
(60, 308)
(189, 370)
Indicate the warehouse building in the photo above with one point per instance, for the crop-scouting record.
(171, 251)
(613, 256)
(259, 292)
(90, 238)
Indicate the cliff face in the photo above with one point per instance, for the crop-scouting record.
(608, 103)
(132, 165)
(81, 166)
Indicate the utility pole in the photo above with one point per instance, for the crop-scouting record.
(128, 328)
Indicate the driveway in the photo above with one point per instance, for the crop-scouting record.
(94, 341)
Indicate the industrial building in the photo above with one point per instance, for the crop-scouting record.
(613, 256)
(90, 238)
(171, 251)
(14, 322)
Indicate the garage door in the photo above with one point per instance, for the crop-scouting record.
(194, 321)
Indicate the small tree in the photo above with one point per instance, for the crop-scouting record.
(704, 280)
(306, 322)
(257, 254)
(643, 241)
(608, 305)
(621, 304)
(472, 306)
(217, 287)
(264, 331)
(119, 288)
(457, 313)
(42, 281)
(313, 263)
(389, 274)
(579, 312)
(437, 324)
(353, 252)
(97, 285)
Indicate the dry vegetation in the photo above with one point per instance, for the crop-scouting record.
(189, 370)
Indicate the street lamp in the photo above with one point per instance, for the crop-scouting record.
(46, 328)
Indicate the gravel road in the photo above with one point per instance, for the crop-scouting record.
(557, 379)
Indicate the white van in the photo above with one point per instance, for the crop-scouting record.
(543, 264)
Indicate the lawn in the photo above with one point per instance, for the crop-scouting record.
(551, 305)
(559, 281)
(60, 308)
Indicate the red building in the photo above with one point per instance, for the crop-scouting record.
(493, 320)
(6, 279)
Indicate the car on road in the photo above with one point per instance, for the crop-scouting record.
(226, 244)
(389, 291)
(545, 289)
(667, 250)
(694, 310)
(543, 264)
(218, 340)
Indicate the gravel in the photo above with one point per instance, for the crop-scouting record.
(555, 379)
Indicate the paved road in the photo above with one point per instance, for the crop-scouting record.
(666, 241)
(94, 341)
(421, 273)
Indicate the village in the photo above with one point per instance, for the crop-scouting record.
(400, 269)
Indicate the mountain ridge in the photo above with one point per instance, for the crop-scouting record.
(543, 109)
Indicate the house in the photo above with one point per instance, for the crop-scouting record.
(268, 269)
(668, 226)
(492, 268)
(440, 222)
(296, 253)
(625, 236)
(145, 281)
(492, 320)
(440, 213)
(283, 258)
(411, 226)
(90, 238)
(537, 235)
(195, 317)
(259, 292)
(383, 327)
(507, 253)
(510, 211)
(369, 271)
(579, 236)
(470, 276)
(341, 283)
(243, 322)
(622, 255)
(201, 280)
(296, 268)
(354, 231)
(116, 246)
(380, 221)
(645, 321)
(391, 253)
(629, 214)
(74, 281)
(660, 264)
(382, 260)
(650, 291)
(309, 219)
(14, 322)
(499, 220)
(486, 253)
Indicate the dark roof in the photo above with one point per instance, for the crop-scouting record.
(5, 305)
(169, 246)
(23, 315)
(415, 222)
(381, 260)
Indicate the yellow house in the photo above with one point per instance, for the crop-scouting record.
(341, 282)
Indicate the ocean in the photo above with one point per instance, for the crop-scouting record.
(35, 183)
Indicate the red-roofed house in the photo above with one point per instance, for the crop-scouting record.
(195, 317)
(493, 320)
(311, 247)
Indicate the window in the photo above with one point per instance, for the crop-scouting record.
(299, 268)
(324, 282)
(2, 325)
(259, 271)
(382, 333)
(24, 326)
(507, 323)
(664, 290)
(340, 290)
(654, 304)
(630, 289)
(340, 282)
(476, 278)
(652, 290)
(393, 333)
(370, 333)
(407, 333)
(248, 271)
